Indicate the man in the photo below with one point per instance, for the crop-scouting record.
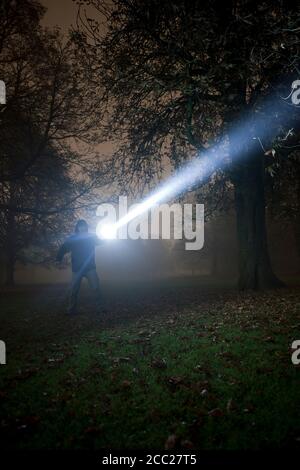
(82, 247)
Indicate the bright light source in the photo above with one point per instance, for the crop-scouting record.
(107, 231)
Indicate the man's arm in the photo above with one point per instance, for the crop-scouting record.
(65, 248)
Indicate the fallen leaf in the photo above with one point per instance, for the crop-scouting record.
(171, 442)
(215, 412)
(159, 363)
(187, 444)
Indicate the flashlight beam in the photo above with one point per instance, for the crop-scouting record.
(196, 170)
(202, 167)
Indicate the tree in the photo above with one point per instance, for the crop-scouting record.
(49, 92)
(182, 76)
(283, 191)
(32, 237)
(49, 168)
(19, 19)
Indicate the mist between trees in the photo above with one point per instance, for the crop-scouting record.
(161, 90)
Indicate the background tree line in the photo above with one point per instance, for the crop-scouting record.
(165, 82)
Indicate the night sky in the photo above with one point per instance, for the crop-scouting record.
(60, 13)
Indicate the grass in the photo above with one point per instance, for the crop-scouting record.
(173, 365)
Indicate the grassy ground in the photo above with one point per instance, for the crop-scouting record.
(166, 366)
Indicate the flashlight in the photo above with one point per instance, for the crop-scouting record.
(107, 231)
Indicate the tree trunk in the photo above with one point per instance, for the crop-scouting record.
(215, 255)
(255, 270)
(10, 249)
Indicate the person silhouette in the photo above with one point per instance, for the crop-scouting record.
(81, 244)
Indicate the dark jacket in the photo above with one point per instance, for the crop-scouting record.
(82, 248)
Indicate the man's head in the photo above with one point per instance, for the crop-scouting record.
(81, 226)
